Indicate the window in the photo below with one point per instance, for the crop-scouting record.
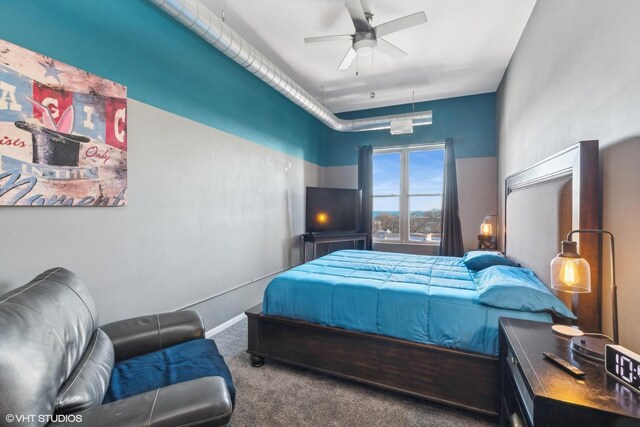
(407, 194)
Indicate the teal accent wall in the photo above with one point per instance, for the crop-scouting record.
(165, 65)
(162, 64)
(471, 118)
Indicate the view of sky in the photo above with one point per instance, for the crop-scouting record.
(386, 174)
(425, 177)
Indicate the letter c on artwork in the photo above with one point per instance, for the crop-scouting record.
(120, 117)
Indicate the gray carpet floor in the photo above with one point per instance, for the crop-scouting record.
(281, 395)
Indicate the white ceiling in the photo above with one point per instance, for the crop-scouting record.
(463, 49)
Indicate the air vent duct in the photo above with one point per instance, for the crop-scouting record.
(199, 19)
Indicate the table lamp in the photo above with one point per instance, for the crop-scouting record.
(571, 273)
(486, 228)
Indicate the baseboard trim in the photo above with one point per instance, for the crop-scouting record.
(225, 325)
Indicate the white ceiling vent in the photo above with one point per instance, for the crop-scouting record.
(400, 127)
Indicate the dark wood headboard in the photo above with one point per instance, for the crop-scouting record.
(542, 204)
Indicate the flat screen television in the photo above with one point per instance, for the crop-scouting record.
(332, 210)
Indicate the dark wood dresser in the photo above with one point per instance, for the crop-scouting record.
(536, 392)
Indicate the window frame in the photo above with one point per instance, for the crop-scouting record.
(404, 196)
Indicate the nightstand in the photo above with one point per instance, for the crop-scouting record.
(535, 392)
(487, 243)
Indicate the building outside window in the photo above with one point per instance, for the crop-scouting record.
(407, 194)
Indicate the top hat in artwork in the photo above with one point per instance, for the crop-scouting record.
(51, 147)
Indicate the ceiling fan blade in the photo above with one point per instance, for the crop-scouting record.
(348, 59)
(389, 49)
(400, 24)
(365, 6)
(323, 39)
(357, 15)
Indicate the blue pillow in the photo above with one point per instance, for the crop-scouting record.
(479, 260)
(516, 289)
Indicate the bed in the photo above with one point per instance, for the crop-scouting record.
(397, 353)
(425, 299)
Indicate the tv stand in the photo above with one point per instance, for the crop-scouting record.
(328, 238)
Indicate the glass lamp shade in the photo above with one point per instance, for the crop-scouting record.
(486, 229)
(570, 274)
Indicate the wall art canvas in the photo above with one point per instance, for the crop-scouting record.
(63, 133)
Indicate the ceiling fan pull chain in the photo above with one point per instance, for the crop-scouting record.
(357, 65)
(372, 94)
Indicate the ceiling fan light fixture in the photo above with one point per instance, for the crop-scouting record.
(365, 46)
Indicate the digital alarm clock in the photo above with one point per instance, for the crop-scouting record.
(623, 365)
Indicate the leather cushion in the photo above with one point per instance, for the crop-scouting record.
(201, 402)
(183, 362)
(45, 328)
(88, 382)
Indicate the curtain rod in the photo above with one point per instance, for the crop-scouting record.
(396, 147)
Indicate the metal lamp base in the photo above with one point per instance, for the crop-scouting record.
(591, 346)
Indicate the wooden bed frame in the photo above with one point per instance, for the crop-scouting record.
(454, 377)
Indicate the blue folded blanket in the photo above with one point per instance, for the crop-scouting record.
(183, 362)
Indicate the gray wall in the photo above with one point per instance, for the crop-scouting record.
(575, 75)
(477, 196)
(208, 212)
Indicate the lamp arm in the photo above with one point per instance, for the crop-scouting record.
(614, 287)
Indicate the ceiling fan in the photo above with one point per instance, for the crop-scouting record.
(367, 37)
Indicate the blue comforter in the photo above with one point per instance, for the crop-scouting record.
(418, 298)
